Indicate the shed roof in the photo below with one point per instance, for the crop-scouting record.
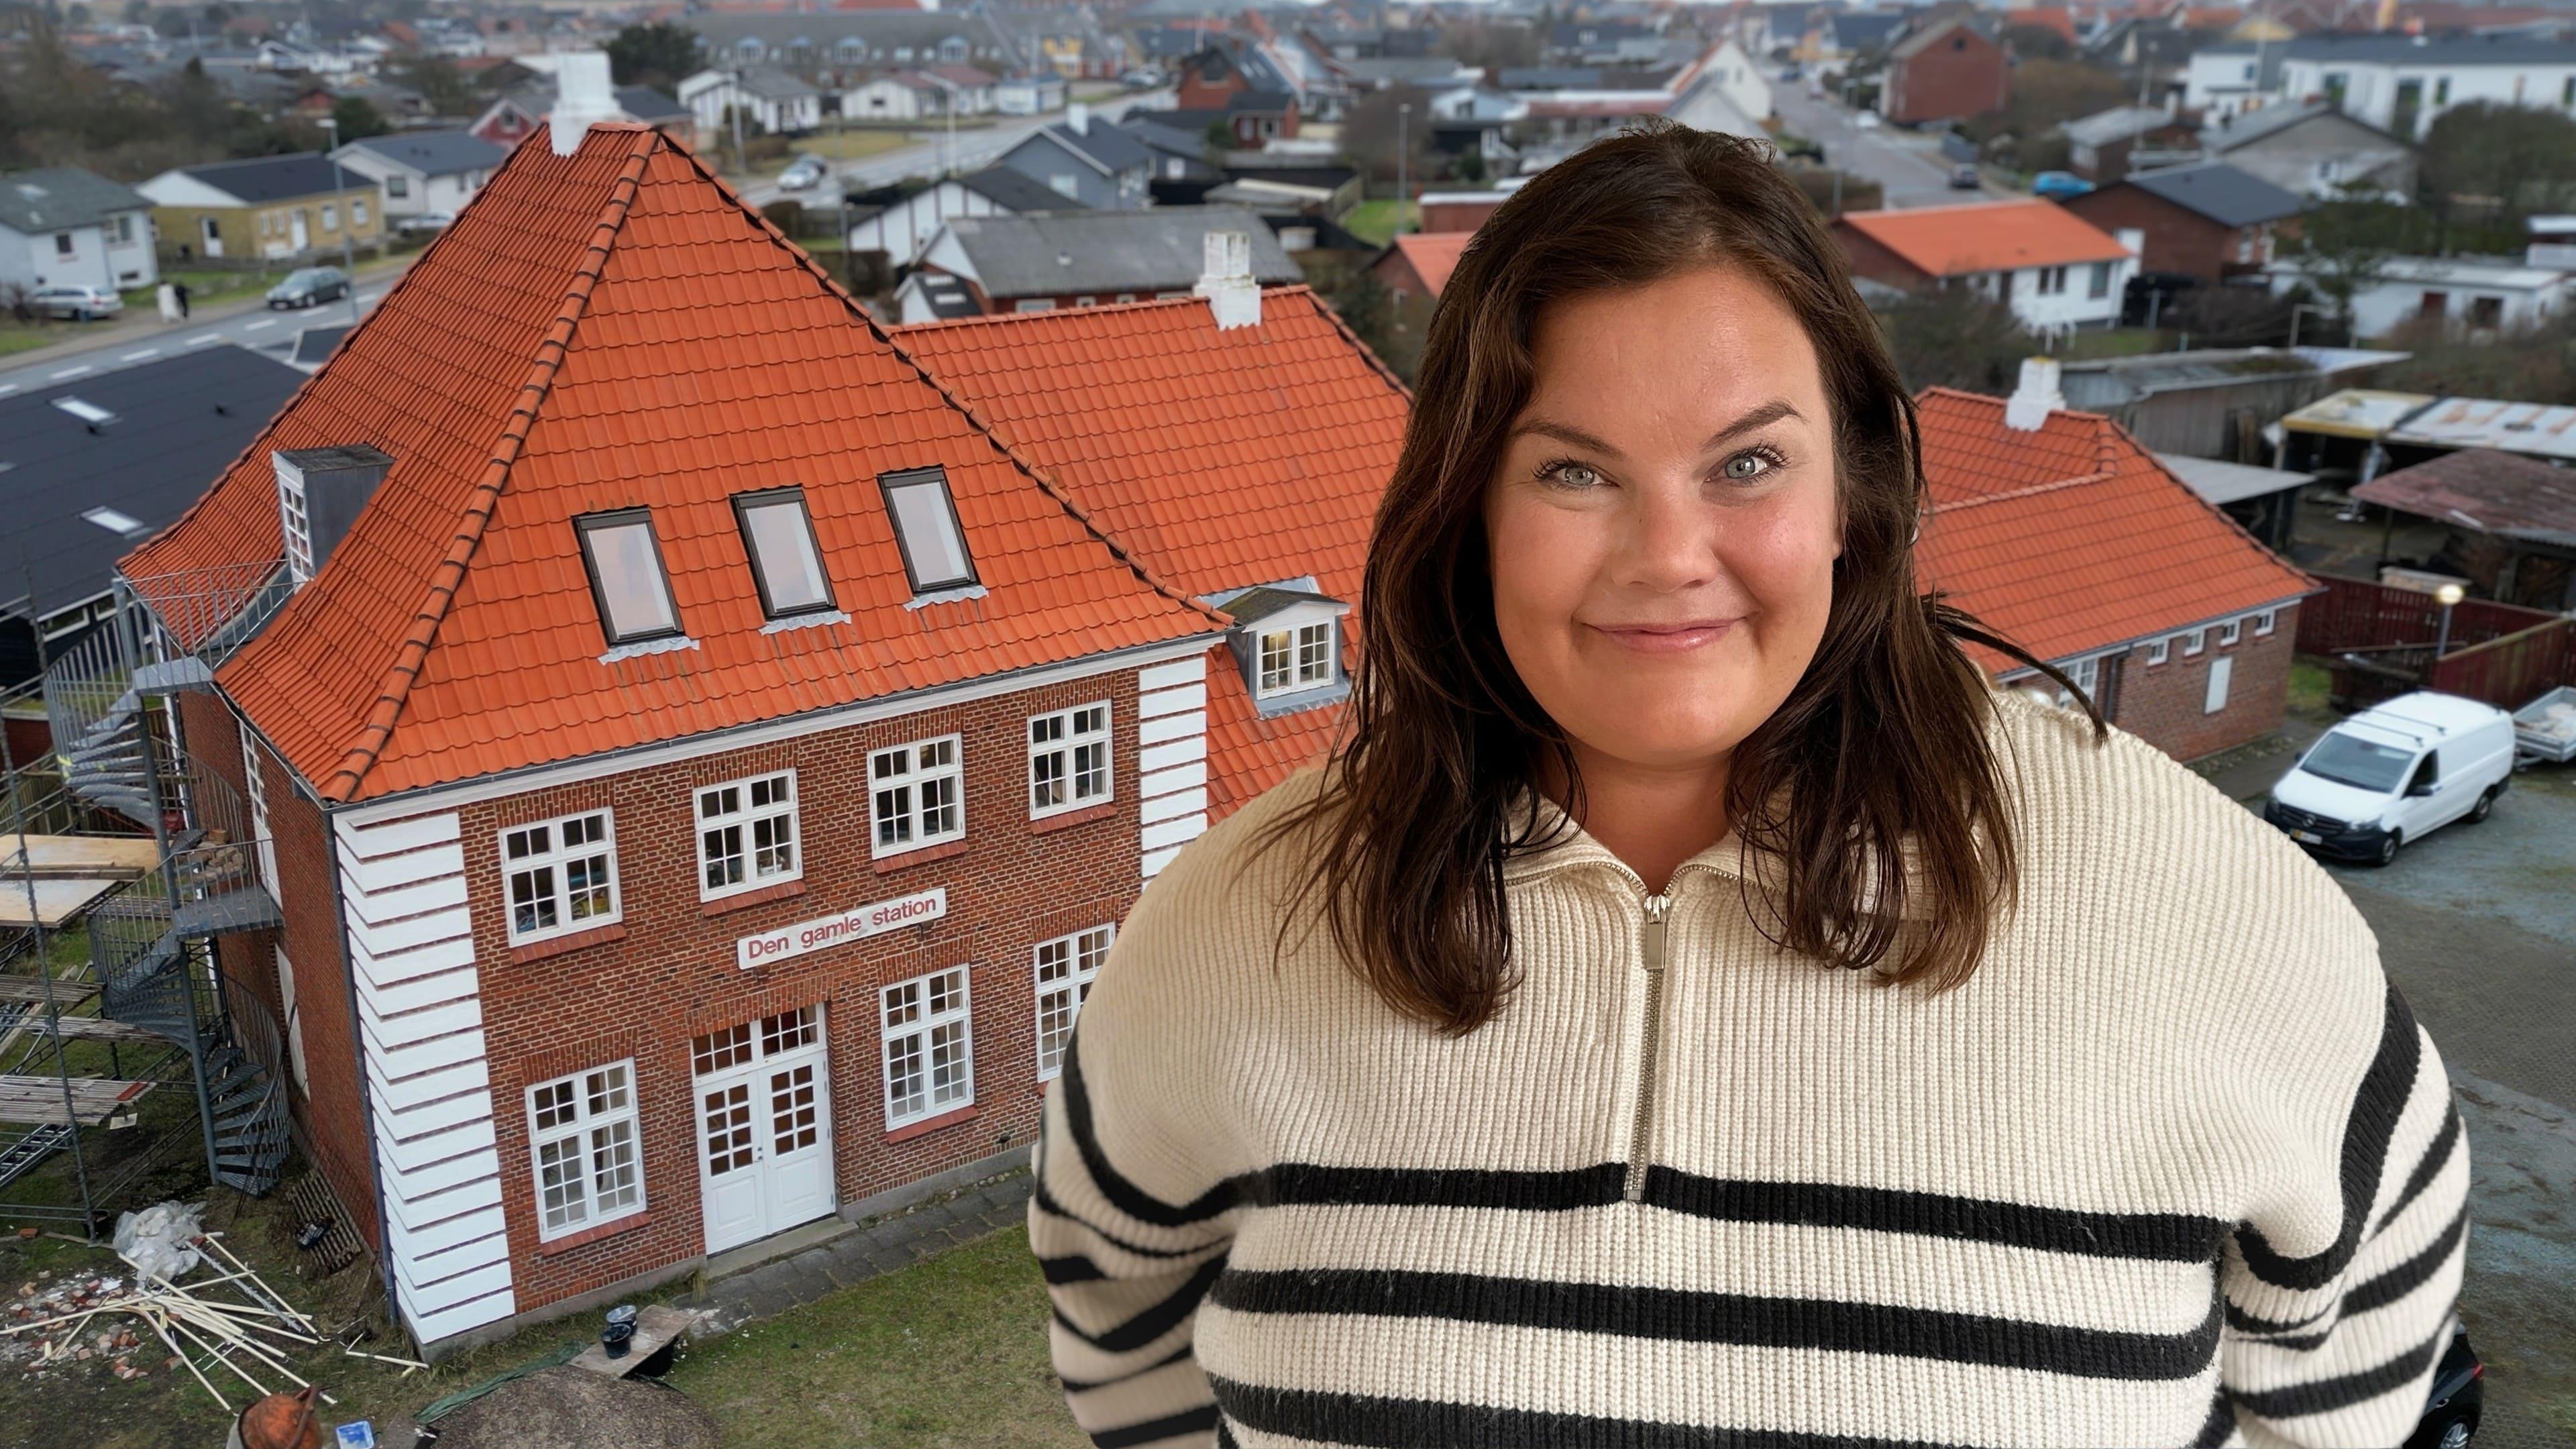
(2488, 491)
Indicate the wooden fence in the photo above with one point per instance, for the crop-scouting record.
(2378, 639)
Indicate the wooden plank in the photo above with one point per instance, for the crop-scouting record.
(58, 899)
(655, 1327)
(79, 855)
(97, 1028)
(38, 1101)
(66, 994)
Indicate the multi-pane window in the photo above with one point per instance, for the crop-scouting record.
(294, 522)
(747, 835)
(626, 578)
(926, 529)
(1296, 658)
(2098, 284)
(929, 1051)
(1068, 759)
(2156, 651)
(917, 795)
(581, 1131)
(785, 562)
(2050, 281)
(2229, 632)
(562, 875)
(2191, 641)
(2083, 672)
(1065, 968)
(2263, 622)
(255, 786)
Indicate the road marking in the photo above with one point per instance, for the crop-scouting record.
(202, 338)
(71, 371)
(7, 388)
(139, 356)
(255, 326)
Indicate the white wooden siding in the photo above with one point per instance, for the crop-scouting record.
(1171, 735)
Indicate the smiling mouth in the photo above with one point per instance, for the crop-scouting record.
(1668, 638)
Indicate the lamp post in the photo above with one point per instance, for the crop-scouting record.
(1403, 156)
(348, 255)
(2449, 595)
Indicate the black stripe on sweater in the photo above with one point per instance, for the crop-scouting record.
(2385, 1089)
(1309, 1184)
(1674, 1315)
(1084, 1386)
(2323, 1396)
(1153, 1431)
(2221, 1423)
(1047, 1204)
(1153, 1322)
(1382, 1423)
(1122, 1194)
(2163, 1237)
(2436, 1157)
(2412, 1274)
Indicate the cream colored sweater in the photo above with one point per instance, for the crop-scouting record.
(2176, 1167)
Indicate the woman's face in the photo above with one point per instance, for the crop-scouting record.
(1663, 524)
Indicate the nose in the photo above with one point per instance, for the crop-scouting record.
(1669, 542)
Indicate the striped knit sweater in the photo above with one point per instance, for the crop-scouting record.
(2176, 1167)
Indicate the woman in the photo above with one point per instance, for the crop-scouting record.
(1692, 1006)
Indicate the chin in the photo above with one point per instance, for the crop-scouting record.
(1654, 734)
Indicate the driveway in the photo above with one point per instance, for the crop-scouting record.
(1906, 165)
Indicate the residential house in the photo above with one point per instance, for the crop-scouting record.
(1180, 169)
(2053, 268)
(911, 95)
(2222, 81)
(97, 464)
(1413, 268)
(2509, 521)
(1044, 260)
(2400, 83)
(2209, 221)
(511, 118)
(2311, 148)
(1947, 70)
(840, 44)
(2100, 147)
(2064, 535)
(2471, 294)
(734, 842)
(1733, 74)
(905, 229)
(1461, 211)
(1031, 94)
(269, 208)
(1094, 164)
(63, 226)
(772, 101)
(424, 173)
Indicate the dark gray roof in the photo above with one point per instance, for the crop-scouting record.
(2120, 123)
(1256, 604)
(1547, 77)
(2218, 191)
(1863, 29)
(1017, 191)
(772, 84)
(946, 295)
(275, 178)
(1161, 250)
(2423, 50)
(1114, 149)
(56, 197)
(2249, 126)
(1158, 131)
(647, 104)
(179, 423)
(434, 153)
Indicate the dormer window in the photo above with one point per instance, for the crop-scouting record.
(626, 576)
(1298, 658)
(1287, 640)
(786, 564)
(926, 529)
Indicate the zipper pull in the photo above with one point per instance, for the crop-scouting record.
(1656, 907)
(1648, 1053)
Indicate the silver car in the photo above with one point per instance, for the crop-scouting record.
(76, 303)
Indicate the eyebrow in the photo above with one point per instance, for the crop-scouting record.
(1762, 416)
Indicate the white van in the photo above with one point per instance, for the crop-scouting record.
(2393, 772)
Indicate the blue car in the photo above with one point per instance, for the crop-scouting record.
(2059, 185)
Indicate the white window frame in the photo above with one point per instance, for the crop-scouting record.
(255, 787)
(919, 1027)
(2264, 622)
(1062, 746)
(2192, 640)
(2086, 672)
(1296, 670)
(899, 768)
(2157, 650)
(584, 1128)
(2230, 632)
(357, 211)
(555, 858)
(330, 216)
(744, 819)
(295, 521)
(1079, 955)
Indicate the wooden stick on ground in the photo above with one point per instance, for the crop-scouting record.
(191, 1363)
(220, 1356)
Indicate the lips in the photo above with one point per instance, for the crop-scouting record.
(1668, 638)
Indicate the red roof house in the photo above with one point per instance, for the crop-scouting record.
(2053, 268)
(712, 739)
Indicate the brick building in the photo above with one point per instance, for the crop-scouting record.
(2066, 536)
(1948, 70)
(707, 741)
(2209, 221)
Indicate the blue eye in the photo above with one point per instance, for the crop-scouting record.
(1748, 465)
(1569, 473)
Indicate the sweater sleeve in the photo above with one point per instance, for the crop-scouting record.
(1130, 1218)
(2338, 1346)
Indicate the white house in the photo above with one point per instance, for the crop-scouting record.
(1733, 74)
(905, 230)
(901, 95)
(62, 226)
(425, 173)
(2400, 83)
(771, 101)
(2219, 81)
(1029, 95)
(2055, 270)
(2463, 293)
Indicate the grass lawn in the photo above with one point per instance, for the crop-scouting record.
(27, 338)
(948, 1354)
(1374, 221)
(2308, 683)
(2113, 342)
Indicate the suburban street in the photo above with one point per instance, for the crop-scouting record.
(1907, 167)
(134, 339)
(969, 150)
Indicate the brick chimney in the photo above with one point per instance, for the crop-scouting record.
(1226, 280)
(2027, 410)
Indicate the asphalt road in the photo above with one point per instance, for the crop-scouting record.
(935, 152)
(250, 324)
(1907, 167)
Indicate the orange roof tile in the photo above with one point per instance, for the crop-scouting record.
(2072, 538)
(1225, 459)
(1986, 236)
(1433, 255)
(606, 330)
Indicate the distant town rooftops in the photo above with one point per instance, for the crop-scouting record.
(2513, 50)
(2218, 191)
(1992, 236)
(274, 178)
(433, 153)
(1047, 254)
(53, 198)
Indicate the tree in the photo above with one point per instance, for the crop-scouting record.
(1372, 126)
(358, 118)
(2037, 42)
(1953, 337)
(1471, 166)
(1365, 307)
(1491, 45)
(2047, 94)
(1216, 140)
(438, 80)
(138, 12)
(660, 55)
(2344, 248)
(2534, 363)
(2488, 161)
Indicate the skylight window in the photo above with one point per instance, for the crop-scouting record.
(88, 412)
(626, 576)
(785, 563)
(125, 524)
(926, 529)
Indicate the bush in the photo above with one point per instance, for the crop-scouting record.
(1858, 193)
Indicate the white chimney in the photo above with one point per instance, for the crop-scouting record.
(2027, 410)
(582, 98)
(1226, 280)
(1078, 116)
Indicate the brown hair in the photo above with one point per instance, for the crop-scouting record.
(1882, 739)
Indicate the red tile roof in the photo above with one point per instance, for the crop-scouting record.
(2072, 538)
(1433, 255)
(1225, 459)
(605, 330)
(1986, 236)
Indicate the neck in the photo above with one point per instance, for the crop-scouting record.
(1653, 817)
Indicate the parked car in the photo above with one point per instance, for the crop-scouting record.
(2059, 185)
(2459, 1395)
(426, 224)
(803, 174)
(76, 303)
(1965, 177)
(309, 287)
(1142, 78)
(2395, 773)
(1866, 120)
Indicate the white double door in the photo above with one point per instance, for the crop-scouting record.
(765, 1134)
